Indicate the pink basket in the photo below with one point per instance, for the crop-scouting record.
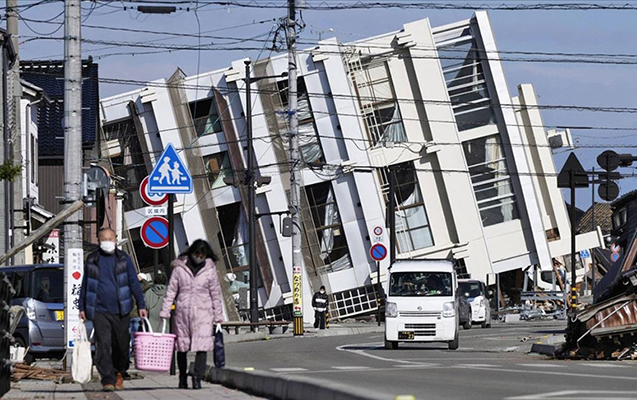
(154, 351)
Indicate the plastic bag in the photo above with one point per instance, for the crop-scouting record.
(219, 351)
(82, 363)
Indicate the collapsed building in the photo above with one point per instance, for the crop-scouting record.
(607, 328)
(476, 179)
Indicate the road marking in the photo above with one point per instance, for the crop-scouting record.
(351, 368)
(288, 369)
(601, 365)
(370, 346)
(542, 365)
(554, 373)
(416, 365)
(475, 365)
(577, 395)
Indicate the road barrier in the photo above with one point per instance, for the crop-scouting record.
(284, 387)
(6, 339)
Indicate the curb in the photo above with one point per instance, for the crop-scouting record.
(284, 387)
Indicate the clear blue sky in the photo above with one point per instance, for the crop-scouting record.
(594, 31)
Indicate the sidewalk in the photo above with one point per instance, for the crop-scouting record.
(152, 386)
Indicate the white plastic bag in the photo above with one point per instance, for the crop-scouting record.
(82, 363)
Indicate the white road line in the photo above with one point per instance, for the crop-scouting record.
(375, 357)
(351, 368)
(603, 365)
(578, 395)
(542, 365)
(555, 373)
(288, 369)
(416, 365)
(475, 365)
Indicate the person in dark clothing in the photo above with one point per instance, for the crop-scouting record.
(106, 298)
(320, 303)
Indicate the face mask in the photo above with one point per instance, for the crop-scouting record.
(108, 247)
(322, 291)
(197, 261)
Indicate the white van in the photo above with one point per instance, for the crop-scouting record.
(421, 303)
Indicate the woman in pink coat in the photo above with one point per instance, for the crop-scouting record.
(195, 286)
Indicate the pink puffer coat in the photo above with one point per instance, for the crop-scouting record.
(198, 305)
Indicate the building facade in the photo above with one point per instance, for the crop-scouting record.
(475, 177)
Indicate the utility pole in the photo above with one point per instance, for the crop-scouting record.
(74, 254)
(13, 97)
(252, 251)
(295, 174)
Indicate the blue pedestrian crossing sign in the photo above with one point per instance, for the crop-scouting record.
(170, 174)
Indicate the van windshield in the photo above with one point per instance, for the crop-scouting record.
(473, 288)
(420, 284)
(47, 285)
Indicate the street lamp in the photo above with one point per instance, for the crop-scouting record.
(251, 183)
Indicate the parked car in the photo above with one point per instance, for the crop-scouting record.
(476, 294)
(464, 311)
(40, 290)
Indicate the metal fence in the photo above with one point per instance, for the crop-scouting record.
(6, 339)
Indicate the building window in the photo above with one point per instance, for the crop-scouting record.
(412, 224)
(217, 167)
(466, 84)
(490, 179)
(205, 116)
(377, 101)
(309, 145)
(327, 227)
(234, 241)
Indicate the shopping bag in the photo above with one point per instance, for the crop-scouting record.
(82, 363)
(219, 352)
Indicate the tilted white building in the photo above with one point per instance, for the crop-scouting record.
(474, 169)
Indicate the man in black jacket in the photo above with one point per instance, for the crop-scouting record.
(320, 303)
(106, 298)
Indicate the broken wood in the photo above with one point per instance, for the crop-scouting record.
(24, 371)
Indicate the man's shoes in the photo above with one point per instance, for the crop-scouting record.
(196, 382)
(108, 388)
(119, 383)
(183, 381)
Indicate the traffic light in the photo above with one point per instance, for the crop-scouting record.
(609, 161)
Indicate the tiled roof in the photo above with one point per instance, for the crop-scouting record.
(49, 75)
(603, 214)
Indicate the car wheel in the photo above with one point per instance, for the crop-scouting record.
(486, 324)
(28, 358)
(453, 345)
(467, 325)
(391, 345)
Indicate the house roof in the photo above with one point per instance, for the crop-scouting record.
(626, 198)
(603, 218)
(49, 75)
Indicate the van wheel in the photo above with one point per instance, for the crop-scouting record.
(486, 324)
(391, 345)
(28, 358)
(453, 345)
(467, 325)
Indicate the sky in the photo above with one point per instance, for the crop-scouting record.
(611, 33)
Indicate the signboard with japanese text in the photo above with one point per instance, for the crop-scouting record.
(74, 267)
(51, 243)
(297, 292)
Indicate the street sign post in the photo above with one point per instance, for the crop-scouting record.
(75, 261)
(170, 175)
(378, 252)
(154, 232)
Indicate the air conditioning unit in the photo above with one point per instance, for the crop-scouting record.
(111, 148)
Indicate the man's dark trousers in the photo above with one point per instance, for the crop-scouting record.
(319, 319)
(111, 345)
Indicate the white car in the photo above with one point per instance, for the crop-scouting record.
(477, 295)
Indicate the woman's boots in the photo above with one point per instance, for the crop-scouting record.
(183, 381)
(196, 382)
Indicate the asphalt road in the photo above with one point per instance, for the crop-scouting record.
(490, 364)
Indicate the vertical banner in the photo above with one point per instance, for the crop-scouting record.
(52, 244)
(297, 292)
(74, 262)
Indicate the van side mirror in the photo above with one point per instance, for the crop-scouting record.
(466, 294)
(490, 293)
